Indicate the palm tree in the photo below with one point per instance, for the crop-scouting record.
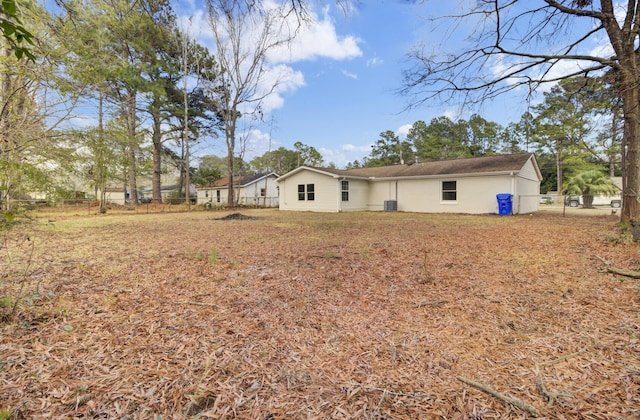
(588, 184)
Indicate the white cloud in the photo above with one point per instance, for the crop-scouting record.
(403, 130)
(345, 154)
(256, 143)
(353, 148)
(197, 26)
(337, 156)
(285, 79)
(375, 61)
(317, 39)
(453, 115)
(349, 74)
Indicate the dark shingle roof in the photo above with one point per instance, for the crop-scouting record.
(485, 164)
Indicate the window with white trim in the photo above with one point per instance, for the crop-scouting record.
(311, 195)
(449, 191)
(344, 188)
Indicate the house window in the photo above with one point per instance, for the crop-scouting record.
(308, 192)
(449, 192)
(263, 192)
(345, 190)
(311, 192)
(206, 193)
(217, 196)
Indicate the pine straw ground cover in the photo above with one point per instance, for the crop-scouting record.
(300, 316)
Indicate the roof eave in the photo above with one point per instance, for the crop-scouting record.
(456, 175)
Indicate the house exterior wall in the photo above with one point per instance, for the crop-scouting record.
(527, 193)
(381, 191)
(474, 194)
(203, 195)
(527, 197)
(210, 194)
(117, 197)
(326, 192)
(358, 195)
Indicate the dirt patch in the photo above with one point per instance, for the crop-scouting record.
(236, 216)
(301, 315)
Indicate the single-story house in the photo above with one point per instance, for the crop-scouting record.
(254, 190)
(167, 193)
(453, 186)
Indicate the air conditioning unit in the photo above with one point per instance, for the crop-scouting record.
(391, 205)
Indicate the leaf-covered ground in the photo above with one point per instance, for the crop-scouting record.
(307, 316)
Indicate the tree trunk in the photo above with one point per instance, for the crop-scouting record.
(156, 188)
(559, 171)
(231, 146)
(101, 176)
(156, 182)
(230, 192)
(185, 135)
(631, 95)
(133, 147)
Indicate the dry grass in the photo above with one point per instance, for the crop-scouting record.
(302, 315)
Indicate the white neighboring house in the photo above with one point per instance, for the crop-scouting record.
(167, 193)
(453, 186)
(251, 190)
(116, 195)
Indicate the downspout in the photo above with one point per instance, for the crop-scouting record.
(339, 195)
(396, 195)
(513, 190)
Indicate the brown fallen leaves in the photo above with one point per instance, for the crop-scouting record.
(300, 315)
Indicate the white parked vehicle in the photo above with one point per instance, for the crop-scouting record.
(614, 201)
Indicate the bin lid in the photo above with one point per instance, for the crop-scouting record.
(503, 196)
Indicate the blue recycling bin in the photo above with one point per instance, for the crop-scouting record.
(505, 204)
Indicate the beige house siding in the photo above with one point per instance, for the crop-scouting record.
(325, 192)
(527, 199)
(381, 191)
(358, 195)
(528, 171)
(474, 194)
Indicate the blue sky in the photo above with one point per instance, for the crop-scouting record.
(344, 72)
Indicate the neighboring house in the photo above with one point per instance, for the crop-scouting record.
(167, 193)
(116, 195)
(453, 186)
(257, 189)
